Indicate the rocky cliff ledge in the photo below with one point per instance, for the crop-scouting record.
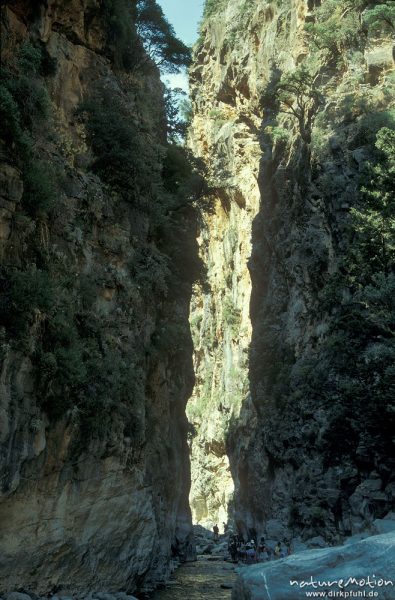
(294, 116)
(96, 363)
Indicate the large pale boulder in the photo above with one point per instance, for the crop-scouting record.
(367, 565)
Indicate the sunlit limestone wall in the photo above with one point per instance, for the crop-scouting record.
(230, 70)
(268, 445)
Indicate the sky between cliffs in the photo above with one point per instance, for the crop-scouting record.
(185, 16)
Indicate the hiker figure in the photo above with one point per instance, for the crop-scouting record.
(232, 547)
(226, 527)
(250, 553)
(242, 552)
(253, 535)
(262, 549)
(216, 533)
(278, 551)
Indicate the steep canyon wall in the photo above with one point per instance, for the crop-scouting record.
(291, 433)
(95, 343)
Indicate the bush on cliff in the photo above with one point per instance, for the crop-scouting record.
(25, 296)
(121, 157)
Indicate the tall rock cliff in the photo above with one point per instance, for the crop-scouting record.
(96, 353)
(294, 345)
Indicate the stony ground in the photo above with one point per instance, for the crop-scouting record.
(209, 577)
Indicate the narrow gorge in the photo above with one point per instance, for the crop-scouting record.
(195, 328)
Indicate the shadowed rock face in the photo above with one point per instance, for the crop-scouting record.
(94, 496)
(273, 453)
(372, 558)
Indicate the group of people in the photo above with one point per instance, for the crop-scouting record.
(251, 552)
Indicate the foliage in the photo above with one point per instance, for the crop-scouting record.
(300, 97)
(31, 97)
(211, 7)
(24, 294)
(34, 60)
(24, 99)
(336, 27)
(278, 134)
(184, 178)
(342, 24)
(24, 104)
(354, 372)
(231, 316)
(374, 220)
(120, 158)
(12, 131)
(178, 112)
(159, 38)
(29, 59)
(122, 39)
(39, 192)
(381, 16)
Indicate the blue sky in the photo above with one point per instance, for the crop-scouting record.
(185, 16)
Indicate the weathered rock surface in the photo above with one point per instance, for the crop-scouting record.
(291, 578)
(95, 497)
(268, 453)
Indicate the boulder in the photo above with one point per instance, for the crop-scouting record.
(367, 565)
(207, 549)
(384, 525)
(316, 542)
(17, 596)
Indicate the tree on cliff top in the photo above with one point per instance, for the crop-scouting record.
(159, 38)
(133, 23)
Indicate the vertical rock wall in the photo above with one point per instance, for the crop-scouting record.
(278, 233)
(94, 477)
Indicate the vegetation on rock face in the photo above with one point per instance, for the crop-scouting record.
(300, 97)
(132, 26)
(343, 110)
(48, 309)
(121, 157)
(211, 7)
(159, 39)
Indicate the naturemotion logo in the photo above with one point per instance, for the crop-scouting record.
(352, 587)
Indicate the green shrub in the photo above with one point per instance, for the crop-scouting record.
(10, 117)
(150, 271)
(231, 315)
(39, 193)
(281, 135)
(22, 294)
(24, 100)
(29, 59)
(212, 7)
(32, 99)
(120, 157)
(337, 26)
(34, 60)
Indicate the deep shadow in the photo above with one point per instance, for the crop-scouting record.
(308, 425)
